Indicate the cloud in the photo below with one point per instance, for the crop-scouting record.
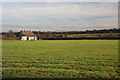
(60, 0)
(60, 13)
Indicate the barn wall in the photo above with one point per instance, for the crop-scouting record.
(28, 38)
(23, 38)
(32, 38)
(35, 38)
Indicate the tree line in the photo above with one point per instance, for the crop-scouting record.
(88, 34)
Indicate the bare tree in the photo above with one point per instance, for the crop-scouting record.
(10, 33)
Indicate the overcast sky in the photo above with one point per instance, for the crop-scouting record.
(60, 0)
(59, 16)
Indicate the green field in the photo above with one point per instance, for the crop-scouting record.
(60, 59)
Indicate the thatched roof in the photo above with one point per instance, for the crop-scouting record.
(26, 33)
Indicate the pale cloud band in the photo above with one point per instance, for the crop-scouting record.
(74, 15)
(60, 0)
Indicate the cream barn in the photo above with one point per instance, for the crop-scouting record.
(27, 35)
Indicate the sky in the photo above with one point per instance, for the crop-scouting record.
(60, 0)
(59, 16)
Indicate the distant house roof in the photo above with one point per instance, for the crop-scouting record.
(26, 33)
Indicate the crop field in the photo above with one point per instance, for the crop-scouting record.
(60, 59)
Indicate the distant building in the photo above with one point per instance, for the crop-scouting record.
(27, 35)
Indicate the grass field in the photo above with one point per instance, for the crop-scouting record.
(60, 59)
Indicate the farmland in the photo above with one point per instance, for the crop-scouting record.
(60, 59)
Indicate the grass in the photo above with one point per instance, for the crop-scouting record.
(60, 59)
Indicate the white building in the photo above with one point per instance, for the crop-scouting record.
(27, 35)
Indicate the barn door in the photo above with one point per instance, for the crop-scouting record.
(27, 38)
